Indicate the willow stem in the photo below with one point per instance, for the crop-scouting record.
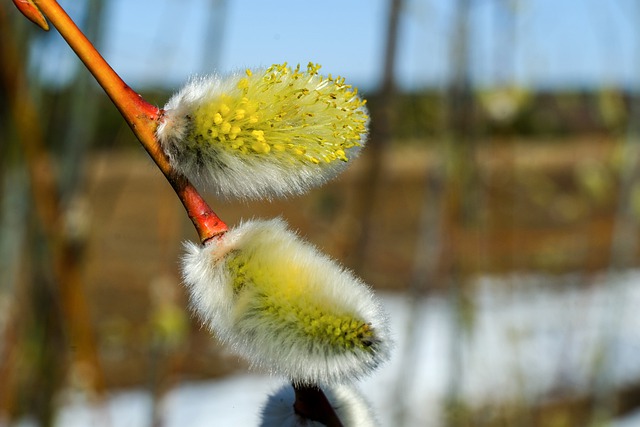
(141, 117)
(312, 404)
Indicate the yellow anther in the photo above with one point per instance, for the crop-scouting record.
(312, 68)
(243, 83)
(260, 147)
(237, 142)
(259, 135)
(297, 113)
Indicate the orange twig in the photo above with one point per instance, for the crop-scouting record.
(141, 116)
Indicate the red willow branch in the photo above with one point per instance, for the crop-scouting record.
(141, 116)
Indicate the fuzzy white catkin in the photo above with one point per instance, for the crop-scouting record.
(268, 133)
(350, 406)
(284, 306)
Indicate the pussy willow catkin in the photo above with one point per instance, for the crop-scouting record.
(284, 306)
(263, 133)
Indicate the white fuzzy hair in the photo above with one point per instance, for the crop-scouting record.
(280, 344)
(351, 408)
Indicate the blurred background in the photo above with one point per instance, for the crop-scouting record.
(496, 210)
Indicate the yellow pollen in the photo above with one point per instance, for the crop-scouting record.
(260, 147)
(259, 135)
(237, 143)
(310, 118)
(243, 83)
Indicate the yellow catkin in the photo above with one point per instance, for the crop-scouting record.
(313, 119)
(280, 301)
(284, 306)
(277, 131)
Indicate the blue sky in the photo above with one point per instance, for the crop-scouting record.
(551, 42)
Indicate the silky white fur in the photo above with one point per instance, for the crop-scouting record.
(351, 408)
(229, 174)
(282, 348)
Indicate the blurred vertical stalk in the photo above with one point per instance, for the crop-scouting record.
(380, 135)
(460, 204)
(34, 329)
(45, 344)
(214, 35)
(169, 322)
(13, 213)
(13, 299)
(505, 41)
(80, 132)
(624, 245)
(57, 251)
(426, 272)
(623, 254)
(83, 110)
